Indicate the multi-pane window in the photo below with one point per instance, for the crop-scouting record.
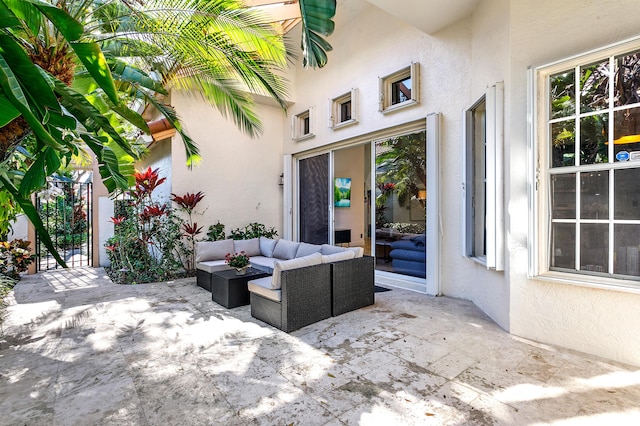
(593, 167)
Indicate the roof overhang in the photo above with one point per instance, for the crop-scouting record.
(286, 14)
(429, 16)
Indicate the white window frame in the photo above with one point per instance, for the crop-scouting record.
(539, 172)
(493, 258)
(297, 125)
(386, 83)
(335, 109)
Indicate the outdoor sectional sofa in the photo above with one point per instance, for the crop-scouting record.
(308, 282)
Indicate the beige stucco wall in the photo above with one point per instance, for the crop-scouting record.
(602, 322)
(239, 175)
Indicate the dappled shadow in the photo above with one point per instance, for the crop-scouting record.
(167, 354)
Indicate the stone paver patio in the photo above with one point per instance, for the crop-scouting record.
(79, 350)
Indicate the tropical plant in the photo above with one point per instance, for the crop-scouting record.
(216, 232)
(403, 161)
(15, 257)
(187, 204)
(69, 71)
(316, 20)
(147, 242)
(253, 230)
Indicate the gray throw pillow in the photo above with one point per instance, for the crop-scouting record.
(213, 250)
(250, 247)
(285, 249)
(306, 249)
(266, 246)
(329, 249)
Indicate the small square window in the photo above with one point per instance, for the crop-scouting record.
(400, 89)
(343, 110)
(302, 125)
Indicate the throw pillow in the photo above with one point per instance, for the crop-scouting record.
(266, 246)
(285, 249)
(213, 250)
(306, 249)
(285, 265)
(329, 249)
(336, 257)
(250, 247)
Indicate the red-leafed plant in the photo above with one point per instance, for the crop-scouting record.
(187, 203)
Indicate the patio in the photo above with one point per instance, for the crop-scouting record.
(78, 349)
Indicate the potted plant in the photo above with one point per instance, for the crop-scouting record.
(239, 261)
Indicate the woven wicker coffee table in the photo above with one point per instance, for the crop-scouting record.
(230, 289)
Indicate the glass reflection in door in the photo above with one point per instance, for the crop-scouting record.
(400, 204)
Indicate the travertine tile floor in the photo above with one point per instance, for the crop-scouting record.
(79, 350)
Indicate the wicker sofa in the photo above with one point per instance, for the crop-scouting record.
(309, 282)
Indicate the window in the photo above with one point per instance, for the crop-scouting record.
(400, 89)
(590, 169)
(343, 110)
(483, 180)
(302, 126)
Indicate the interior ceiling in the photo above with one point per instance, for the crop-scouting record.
(429, 16)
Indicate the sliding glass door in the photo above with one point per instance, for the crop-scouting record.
(400, 204)
(313, 199)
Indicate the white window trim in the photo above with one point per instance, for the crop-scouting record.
(334, 109)
(537, 243)
(385, 83)
(297, 127)
(494, 197)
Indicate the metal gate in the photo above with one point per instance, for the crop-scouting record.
(65, 208)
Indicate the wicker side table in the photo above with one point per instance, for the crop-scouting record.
(230, 289)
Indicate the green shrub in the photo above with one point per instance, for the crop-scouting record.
(253, 230)
(216, 232)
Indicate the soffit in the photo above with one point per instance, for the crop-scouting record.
(286, 14)
(429, 16)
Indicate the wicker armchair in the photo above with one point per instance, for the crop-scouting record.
(305, 299)
(353, 284)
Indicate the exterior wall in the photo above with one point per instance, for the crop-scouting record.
(240, 176)
(456, 66)
(160, 158)
(601, 322)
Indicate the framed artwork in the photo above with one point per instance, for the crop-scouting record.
(342, 192)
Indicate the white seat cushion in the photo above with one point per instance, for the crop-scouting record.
(262, 286)
(336, 257)
(359, 251)
(212, 266)
(298, 262)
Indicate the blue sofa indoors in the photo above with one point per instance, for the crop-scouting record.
(408, 256)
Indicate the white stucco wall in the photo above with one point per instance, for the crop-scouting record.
(602, 322)
(19, 229)
(160, 158)
(240, 176)
(456, 66)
